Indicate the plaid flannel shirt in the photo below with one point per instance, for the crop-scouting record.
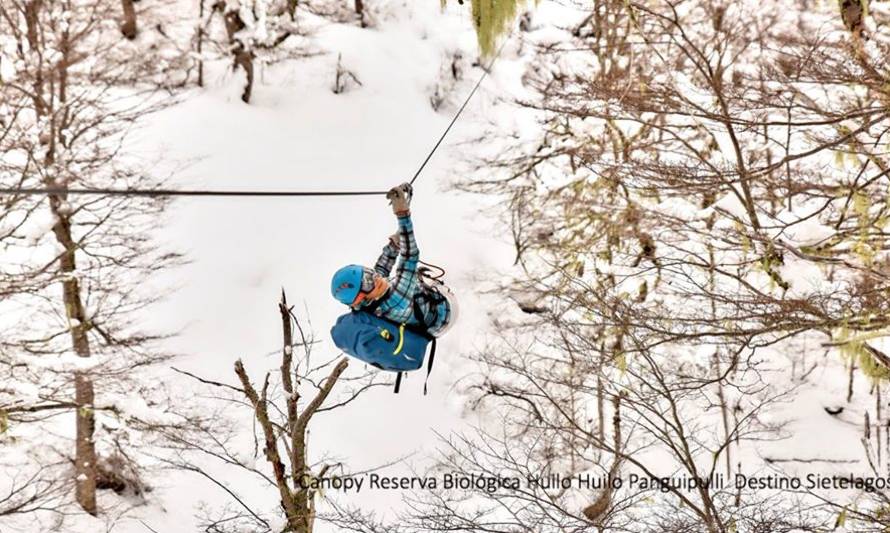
(399, 306)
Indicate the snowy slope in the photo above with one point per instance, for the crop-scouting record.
(298, 135)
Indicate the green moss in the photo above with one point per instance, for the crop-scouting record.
(871, 368)
(853, 349)
(492, 20)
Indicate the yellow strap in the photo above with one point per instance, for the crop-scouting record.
(401, 339)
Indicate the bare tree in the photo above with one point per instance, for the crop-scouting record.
(611, 131)
(253, 28)
(72, 266)
(694, 158)
(282, 423)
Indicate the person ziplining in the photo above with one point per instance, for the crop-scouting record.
(393, 319)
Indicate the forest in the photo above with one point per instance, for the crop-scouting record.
(665, 225)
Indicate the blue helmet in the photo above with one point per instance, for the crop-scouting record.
(347, 283)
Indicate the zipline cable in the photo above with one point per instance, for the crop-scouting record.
(243, 193)
(469, 97)
(179, 192)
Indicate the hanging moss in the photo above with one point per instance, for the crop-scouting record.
(872, 368)
(492, 20)
(853, 349)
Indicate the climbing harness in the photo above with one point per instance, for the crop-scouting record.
(423, 329)
(433, 297)
(426, 270)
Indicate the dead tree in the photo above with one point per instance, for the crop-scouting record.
(297, 500)
(282, 423)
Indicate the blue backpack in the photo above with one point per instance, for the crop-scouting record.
(384, 344)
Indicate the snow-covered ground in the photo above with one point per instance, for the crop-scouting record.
(298, 135)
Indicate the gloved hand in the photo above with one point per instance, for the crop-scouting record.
(400, 198)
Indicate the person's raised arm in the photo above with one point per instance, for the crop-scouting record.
(409, 254)
(408, 251)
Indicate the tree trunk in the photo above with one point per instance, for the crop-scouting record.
(360, 11)
(128, 26)
(724, 414)
(600, 407)
(201, 45)
(878, 422)
(243, 57)
(84, 448)
(85, 451)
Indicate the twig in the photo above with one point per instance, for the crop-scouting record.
(207, 381)
(772, 460)
(225, 488)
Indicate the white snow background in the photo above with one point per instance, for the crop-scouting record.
(298, 135)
